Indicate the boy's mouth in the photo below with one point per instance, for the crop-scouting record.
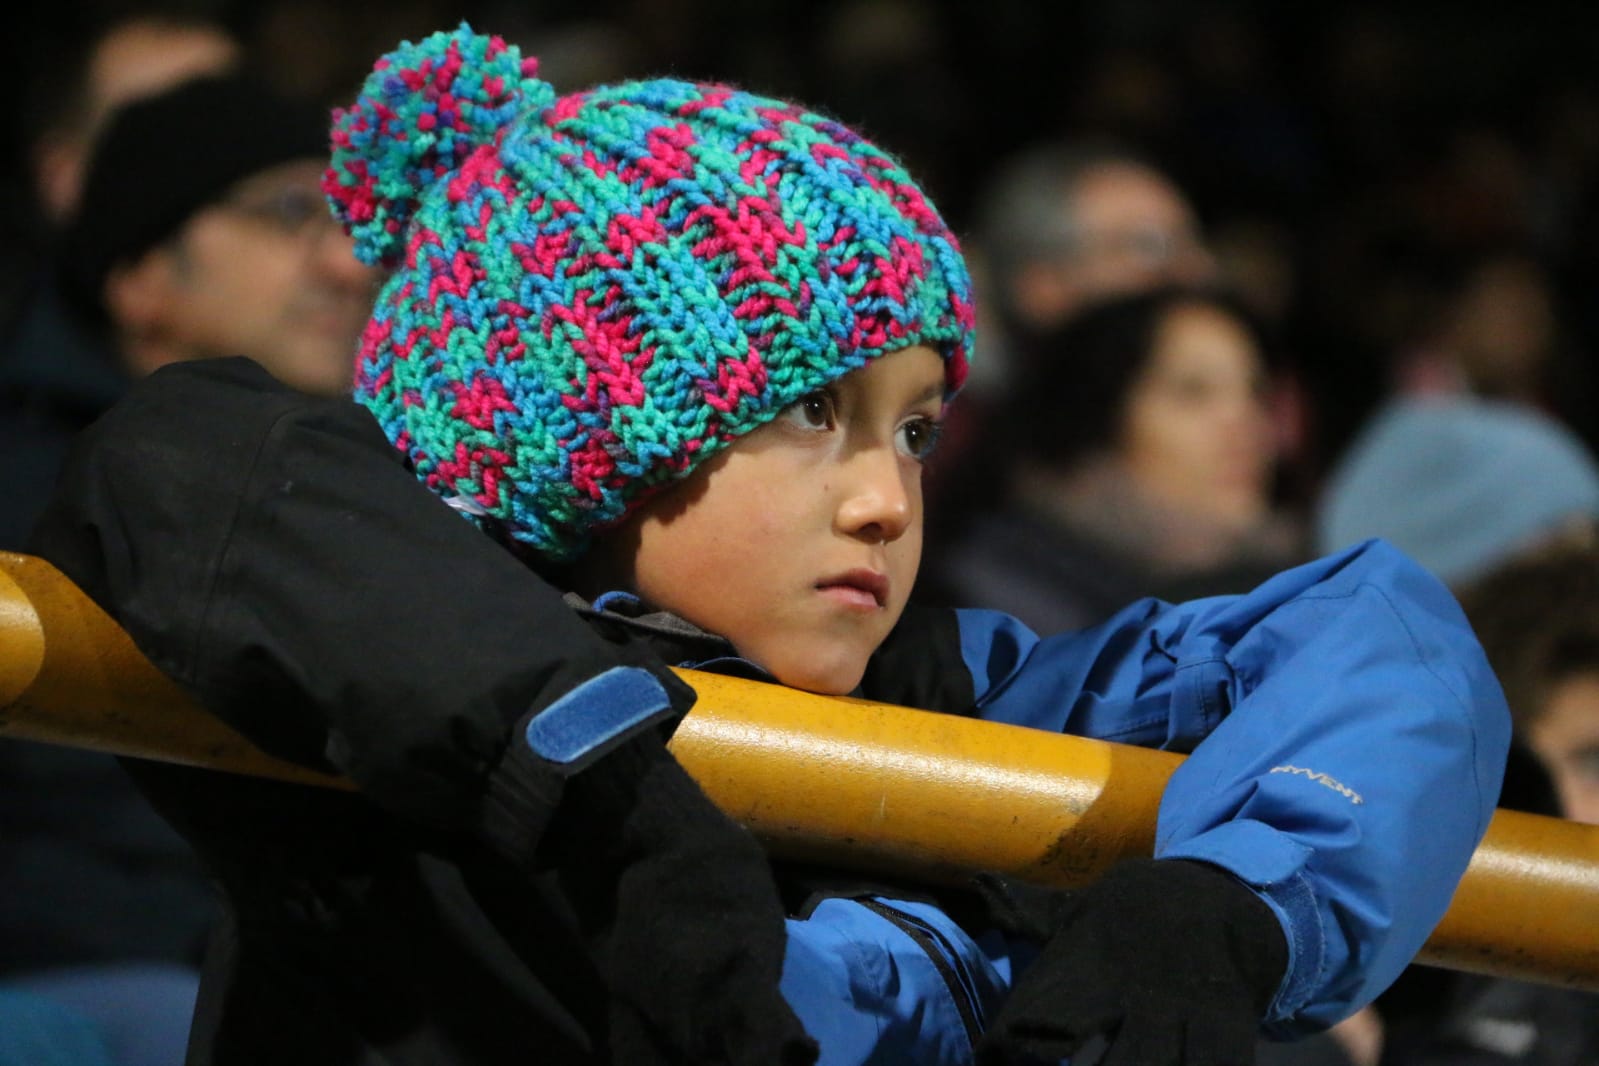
(867, 587)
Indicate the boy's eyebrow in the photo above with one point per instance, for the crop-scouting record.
(935, 391)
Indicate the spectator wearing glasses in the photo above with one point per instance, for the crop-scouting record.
(203, 233)
(1065, 226)
(1061, 226)
(200, 231)
(56, 373)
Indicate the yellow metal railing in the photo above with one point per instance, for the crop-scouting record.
(855, 783)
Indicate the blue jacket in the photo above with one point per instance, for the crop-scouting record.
(1347, 742)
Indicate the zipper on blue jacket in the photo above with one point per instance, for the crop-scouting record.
(934, 946)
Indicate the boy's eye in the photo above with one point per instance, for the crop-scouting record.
(918, 438)
(812, 411)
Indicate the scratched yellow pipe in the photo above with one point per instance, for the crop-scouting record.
(852, 782)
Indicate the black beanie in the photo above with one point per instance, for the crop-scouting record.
(163, 157)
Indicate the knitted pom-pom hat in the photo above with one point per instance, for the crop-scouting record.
(593, 294)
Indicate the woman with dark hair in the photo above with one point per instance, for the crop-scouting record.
(1135, 456)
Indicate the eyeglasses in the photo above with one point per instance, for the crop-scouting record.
(292, 210)
(1149, 245)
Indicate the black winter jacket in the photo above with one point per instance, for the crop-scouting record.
(471, 904)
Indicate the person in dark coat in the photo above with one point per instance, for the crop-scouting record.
(1136, 458)
(200, 229)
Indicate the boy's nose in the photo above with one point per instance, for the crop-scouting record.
(878, 504)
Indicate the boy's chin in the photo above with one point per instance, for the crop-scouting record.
(827, 663)
(837, 680)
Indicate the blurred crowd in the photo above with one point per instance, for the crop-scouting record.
(1255, 281)
(1402, 197)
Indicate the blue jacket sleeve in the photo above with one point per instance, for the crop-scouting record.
(1347, 736)
(877, 980)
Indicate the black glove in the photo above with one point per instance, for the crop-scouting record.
(1169, 961)
(682, 915)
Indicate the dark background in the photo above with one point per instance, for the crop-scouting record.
(1349, 155)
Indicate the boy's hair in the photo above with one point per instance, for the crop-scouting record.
(1537, 617)
(594, 293)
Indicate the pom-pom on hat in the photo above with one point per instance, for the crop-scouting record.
(594, 293)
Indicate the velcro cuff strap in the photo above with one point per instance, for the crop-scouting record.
(597, 716)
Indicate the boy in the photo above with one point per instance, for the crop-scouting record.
(683, 351)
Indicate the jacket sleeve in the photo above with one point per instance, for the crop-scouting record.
(1347, 742)
(883, 979)
(274, 554)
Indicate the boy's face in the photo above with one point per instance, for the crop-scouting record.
(800, 541)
